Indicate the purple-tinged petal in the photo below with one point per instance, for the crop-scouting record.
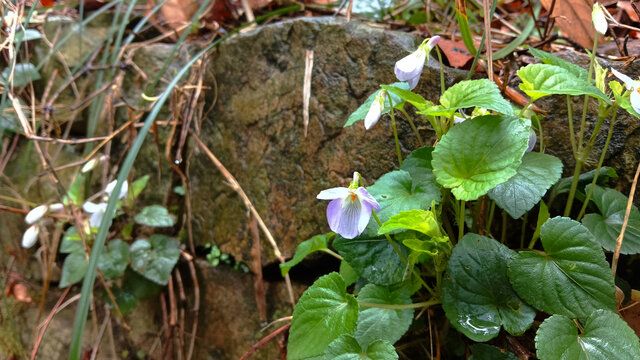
(333, 193)
(96, 218)
(410, 66)
(350, 218)
(433, 41)
(334, 214)
(365, 215)
(532, 141)
(366, 198)
(635, 100)
(413, 82)
(628, 82)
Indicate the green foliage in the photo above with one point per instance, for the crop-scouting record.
(564, 185)
(571, 277)
(74, 268)
(316, 243)
(23, 74)
(475, 303)
(605, 336)
(482, 93)
(605, 228)
(533, 178)
(373, 258)
(346, 347)
(383, 324)
(156, 216)
(418, 165)
(324, 312)
(488, 352)
(154, 258)
(623, 101)
(479, 154)
(551, 59)
(417, 220)
(114, 259)
(138, 185)
(539, 80)
(362, 111)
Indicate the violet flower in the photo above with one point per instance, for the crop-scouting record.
(410, 67)
(375, 111)
(30, 236)
(631, 85)
(350, 208)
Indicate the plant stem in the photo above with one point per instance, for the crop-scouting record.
(404, 259)
(401, 306)
(490, 221)
(571, 132)
(442, 86)
(541, 134)
(600, 161)
(585, 104)
(574, 185)
(503, 235)
(413, 127)
(395, 131)
(461, 214)
(524, 228)
(333, 253)
(525, 108)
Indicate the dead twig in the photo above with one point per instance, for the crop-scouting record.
(264, 340)
(616, 253)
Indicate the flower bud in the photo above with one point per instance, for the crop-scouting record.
(30, 236)
(375, 111)
(36, 214)
(598, 19)
(56, 207)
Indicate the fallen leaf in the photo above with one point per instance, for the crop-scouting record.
(573, 17)
(628, 9)
(456, 53)
(632, 316)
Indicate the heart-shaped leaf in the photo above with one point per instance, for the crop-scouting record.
(606, 227)
(539, 80)
(482, 93)
(418, 220)
(74, 268)
(418, 165)
(382, 324)
(113, 259)
(476, 294)
(362, 111)
(397, 191)
(373, 258)
(156, 216)
(346, 347)
(316, 243)
(606, 336)
(563, 186)
(524, 190)
(571, 277)
(551, 59)
(324, 312)
(477, 155)
(154, 258)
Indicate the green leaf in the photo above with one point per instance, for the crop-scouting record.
(154, 258)
(564, 185)
(383, 324)
(418, 220)
(539, 80)
(113, 259)
(324, 312)
(76, 190)
(408, 96)
(156, 216)
(396, 191)
(23, 74)
(432, 247)
(362, 111)
(74, 268)
(543, 216)
(316, 243)
(349, 275)
(551, 59)
(138, 185)
(27, 35)
(71, 241)
(373, 258)
(346, 347)
(488, 352)
(606, 336)
(482, 93)
(524, 190)
(477, 155)
(418, 165)
(606, 227)
(476, 294)
(126, 300)
(139, 286)
(571, 277)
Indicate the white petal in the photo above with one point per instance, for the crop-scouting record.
(333, 193)
(56, 207)
(533, 138)
(94, 208)
(30, 236)
(36, 214)
(413, 82)
(123, 191)
(598, 19)
(365, 197)
(348, 227)
(630, 84)
(96, 218)
(373, 115)
(410, 66)
(89, 165)
(635, 100)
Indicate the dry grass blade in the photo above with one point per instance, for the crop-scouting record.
(306, 88)
(616, 253)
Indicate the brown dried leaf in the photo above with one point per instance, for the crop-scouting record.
(456, 52)
(573, 17)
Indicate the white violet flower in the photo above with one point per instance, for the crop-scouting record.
(30, 236)
(598, 18)
(350, 208)
(36, 214)
(410, 67)
(375, 111)
(112, 185)
(96, 211)
(631, 85)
